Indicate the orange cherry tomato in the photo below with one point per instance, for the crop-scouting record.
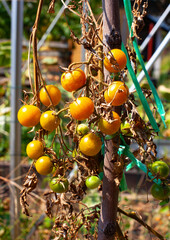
(90, 144)
(110, 128)
(29, 115)
(82, 108)
(54, 94)
(73, 80)
(44, 165)
(35, 149)
(117, 93)
(49, 121)
(120, 58)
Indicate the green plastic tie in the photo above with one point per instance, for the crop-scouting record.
(103, 147)
(140, 93)
(160, 108)
(123, 183)
(158, 102)
(124, 149)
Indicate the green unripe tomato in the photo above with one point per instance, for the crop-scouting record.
(93, 182)
(160, 168)
(59, 185)
(125, 128)
(75, 153)
(160, 192)
(82, 129)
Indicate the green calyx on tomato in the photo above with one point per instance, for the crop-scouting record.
(59, 185)
(160, 168)
(93, 182)
(82, 129)
(160, 192)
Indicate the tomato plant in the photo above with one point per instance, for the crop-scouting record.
(81, 108)
(160, 192)
(117, 93)
(29, 115)
(53, 92)
(73, 79)
(109, 61)
(160, 168)
(90, 144)
(112, 127)
(35, 149)
(95, 110)
(93, 182)
(59, 185)
(44, 165)
(49, 121)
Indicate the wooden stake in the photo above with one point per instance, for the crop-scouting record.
(112, 165)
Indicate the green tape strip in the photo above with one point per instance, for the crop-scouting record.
(130, 166)
(140, 93)
(158, 102)
(123, 184)
(124, 149)
(103, 147)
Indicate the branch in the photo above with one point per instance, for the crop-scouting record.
(134, 216)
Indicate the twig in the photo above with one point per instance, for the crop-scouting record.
(134, 216)
(20, 188)
(35, 226)
(119, 232)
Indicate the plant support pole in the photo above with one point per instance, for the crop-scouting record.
(155, 28)
(152, 60)
(15, 129)
(108, 215)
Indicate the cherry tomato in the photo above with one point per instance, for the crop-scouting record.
(29, 115)
(49, 121)
(82, 108)
(54, 94)
(82, 129)
(125, 128)
(160, 168)
(160, 192)
(44, 165)
(90, 144)
(117, 93)
(59, 185)
(35, 149)
(93, 182)
(110, 128)
(120, 58)
(73, 79)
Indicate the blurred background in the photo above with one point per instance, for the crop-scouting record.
(56, 49)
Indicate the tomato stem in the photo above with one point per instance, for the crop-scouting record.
(62, 110)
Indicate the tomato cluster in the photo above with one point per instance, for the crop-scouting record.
(160, 169)
(82, 108)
